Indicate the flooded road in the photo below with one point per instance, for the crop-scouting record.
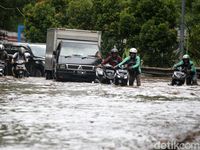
(38, 114)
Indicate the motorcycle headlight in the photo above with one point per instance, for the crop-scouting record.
(118, 76)
(99, 71)
(125, 77)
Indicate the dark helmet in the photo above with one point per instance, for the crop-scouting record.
(22, 50)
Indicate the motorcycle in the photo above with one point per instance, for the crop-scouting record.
(179, 76)
(105, 74)
(2, 68)
(121, 77)
(20, 69)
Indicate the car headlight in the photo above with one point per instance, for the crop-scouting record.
(62, 66)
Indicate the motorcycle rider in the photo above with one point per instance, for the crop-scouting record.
(113, 59)
(20, 55)
(132, 63)
(3, 54)
(188, 68)
(3, 57)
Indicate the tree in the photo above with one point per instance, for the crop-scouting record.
(193, 24)
(11, 13)
(156, 44)
(39, 18)
(148, 25)
(80, 14)
(155, 34)
(106, 17)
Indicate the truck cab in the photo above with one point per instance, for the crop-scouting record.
(75, 56)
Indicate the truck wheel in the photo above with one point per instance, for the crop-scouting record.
(38, 73)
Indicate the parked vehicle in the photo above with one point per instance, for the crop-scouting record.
(35, 66)
(37, 59)
(20, 69)
(71, 55)
(2, 68)
(105, 74)
(121, 77)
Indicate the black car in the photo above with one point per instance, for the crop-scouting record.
(35, 66)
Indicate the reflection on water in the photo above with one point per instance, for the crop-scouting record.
(40, 114)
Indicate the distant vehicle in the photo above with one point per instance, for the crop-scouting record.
(72, 55)
(35, 66)
(37, 60)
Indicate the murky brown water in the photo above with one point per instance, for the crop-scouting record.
(38, 114)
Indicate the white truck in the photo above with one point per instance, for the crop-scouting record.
(72, 54)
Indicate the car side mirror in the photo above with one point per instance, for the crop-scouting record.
(54, 52)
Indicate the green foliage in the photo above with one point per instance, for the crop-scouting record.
(148, 25)
(155, 33)
(192, 27)
(11, 13)
(38, 19)
(80, 14)
(157, 43)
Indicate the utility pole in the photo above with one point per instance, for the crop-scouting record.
(182, 28)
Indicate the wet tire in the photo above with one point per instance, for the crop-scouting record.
(97, 81)
(124, 83)
(38, 73)
(189, 81)
(116, 82)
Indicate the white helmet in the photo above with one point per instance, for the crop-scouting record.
(133, 50)
(114, 50)
(186, 56)
(1, 47)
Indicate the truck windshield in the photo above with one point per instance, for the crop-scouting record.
(78, 49)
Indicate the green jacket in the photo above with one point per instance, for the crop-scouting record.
(136, 65)
(125, 54)
(193, 69)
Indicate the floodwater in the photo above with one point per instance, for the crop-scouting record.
(40, 114)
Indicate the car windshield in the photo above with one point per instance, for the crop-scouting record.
(79, 49)
(38, 50)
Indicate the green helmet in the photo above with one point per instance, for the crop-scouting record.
(186, 56)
